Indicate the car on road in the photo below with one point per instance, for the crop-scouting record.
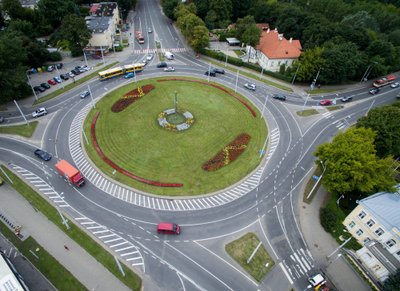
(57, 79)
(395, 85)
(398, 96)
(39, 89)
(39, 112)
(84, 94)
(129, 75)
(45, 156)
(211, 73)
(45, 85)
(1, 119)
(168, 228)
(219, 71)
(169, 69)
(149, 57)
(374, 91)
(250, 86)
(346, 98)
(325, 102)
(279, 97)
(162, 65)
(52, 82)
(149, 30)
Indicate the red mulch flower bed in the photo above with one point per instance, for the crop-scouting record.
(114, 166)
(228, 154)
(131, 97)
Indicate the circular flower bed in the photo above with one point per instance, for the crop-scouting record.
(163, 122)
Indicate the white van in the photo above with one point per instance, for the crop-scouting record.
(169, 55)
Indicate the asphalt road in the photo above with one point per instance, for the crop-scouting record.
(265, 202)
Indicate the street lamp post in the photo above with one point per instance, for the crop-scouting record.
(316, 79)
(295, 74)
(305, 102)
(59, 75)
(91, 96)
(30, 84)
(84, 56)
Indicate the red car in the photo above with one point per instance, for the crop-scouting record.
(52, 82)
(325, 102)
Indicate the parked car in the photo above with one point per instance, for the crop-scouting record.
(59, 65)
(71, 74)
(374, 91)
(149, 57)
(39, 89)
(169, 69)
(219, 71)
(52, 82)
(210, 73)
(75, 72)
(129, 75)
(162, 65)
(39, 112)
(250, 86)
(279, 97)
(64, 76)
(57, 79)
(50, 68)
(325, 102)
(45, 85)
(84, 94)
(395, 85)
(346, 98)
(45, 156)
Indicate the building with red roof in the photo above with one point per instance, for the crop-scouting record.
(274, 51)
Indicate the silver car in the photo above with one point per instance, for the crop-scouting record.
(39, 112)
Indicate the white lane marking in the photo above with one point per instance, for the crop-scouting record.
(286, 273)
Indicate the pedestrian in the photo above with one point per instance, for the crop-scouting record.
(66, 247)
(319, 86)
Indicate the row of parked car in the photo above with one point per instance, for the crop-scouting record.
(59, 79)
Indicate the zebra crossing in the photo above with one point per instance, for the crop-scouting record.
(339, 124)
(298, 264)
(274, 141)
(128, 195)
(172, 50)
(124, 248)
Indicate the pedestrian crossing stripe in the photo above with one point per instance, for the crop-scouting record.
(147, 51)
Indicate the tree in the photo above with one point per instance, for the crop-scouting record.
(211, 19)
(202, 8)
(223, 10)
(55, 10)
(393, 282)
(169, 7)
(13, 82)
(13, 9)
(251, 35)
(310, 62)
(361, 19)
(352, 165)
(187, 24)
(74, 30)
(242, 24)
(200, 38)
(22, 26)
(385, 122)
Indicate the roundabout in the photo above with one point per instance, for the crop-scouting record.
(160, 143)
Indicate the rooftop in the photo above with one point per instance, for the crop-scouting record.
(103, 9)
(98, 24)
(275, 46)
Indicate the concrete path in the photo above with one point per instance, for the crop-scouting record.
(82, 265)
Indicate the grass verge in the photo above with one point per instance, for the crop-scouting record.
(241, 250)
(72, 85)
(59, 276)
(310, 184)
(333, 108)
(308, 112)
(25, 130)
(130, 279)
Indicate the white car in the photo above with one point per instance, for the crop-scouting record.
(395, 85)
(84, 94)
(71, 75)
(39, 112)
(149, 57)
(169, 69)
(250, 86)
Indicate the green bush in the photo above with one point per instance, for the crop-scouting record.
(328, 219)
(55, 57)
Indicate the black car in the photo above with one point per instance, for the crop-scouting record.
(219, 71)
(64, 76)
(210, 73)
(59, 65)
(279, 97)
(45, 156)
(346, 98)
(75, 72)
(45, 85)
(374, 91)
(39, 89)
(162, 65)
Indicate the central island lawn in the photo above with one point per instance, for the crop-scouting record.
(134, 140)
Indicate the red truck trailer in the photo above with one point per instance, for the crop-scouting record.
(70, 173)
(389, 79)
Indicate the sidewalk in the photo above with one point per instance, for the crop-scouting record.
(321, 244)
(82, 265)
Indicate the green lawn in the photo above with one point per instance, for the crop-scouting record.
(25, 130)
(131, 279)
(307, 112)
(333, 108)
(241, 250)
(134, 140)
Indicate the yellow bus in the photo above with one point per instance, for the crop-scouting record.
(118, 71)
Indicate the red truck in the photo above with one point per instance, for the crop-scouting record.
(389, 79)
(70, 173)
(139, 37)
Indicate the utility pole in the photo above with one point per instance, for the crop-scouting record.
(23, 116)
